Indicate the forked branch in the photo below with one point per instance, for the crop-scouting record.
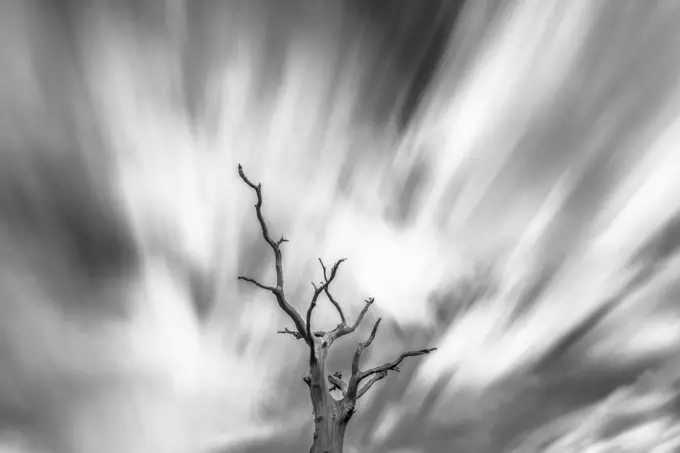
(393, 366)
(275, 246)
(363, 345)
(343, 320)
(377, 373)
(320, 289)
(343, 329)
(287, 331)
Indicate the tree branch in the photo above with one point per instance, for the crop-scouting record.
(343, 329)
(290, 332)
(368, 302)
(343, 320)
(362, 391)
(337, 383)
(371, 337)
(393, 366)
(263, 224)
(318, 333)
(312, 305)
(319, 290)
(256, 283)
(360, 348)
(377, 373)
(275, 246)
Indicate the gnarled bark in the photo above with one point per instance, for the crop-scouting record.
(331, 415)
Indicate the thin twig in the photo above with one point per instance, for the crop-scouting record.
(363, 345)
(343, 320)
(318, 290)
(392, 366)
(256, 283)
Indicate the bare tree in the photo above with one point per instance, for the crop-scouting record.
(331, 415)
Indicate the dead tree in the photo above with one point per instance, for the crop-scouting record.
(331, 415)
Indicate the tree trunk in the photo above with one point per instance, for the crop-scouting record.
(330, 416)
(329, 436)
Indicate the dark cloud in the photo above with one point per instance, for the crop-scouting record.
(660, 247)
(56, 197)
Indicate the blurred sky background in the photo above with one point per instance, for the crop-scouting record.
(501, 175)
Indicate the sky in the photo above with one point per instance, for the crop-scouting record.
(500, 176)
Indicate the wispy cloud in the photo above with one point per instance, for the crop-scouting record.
(542, 149)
